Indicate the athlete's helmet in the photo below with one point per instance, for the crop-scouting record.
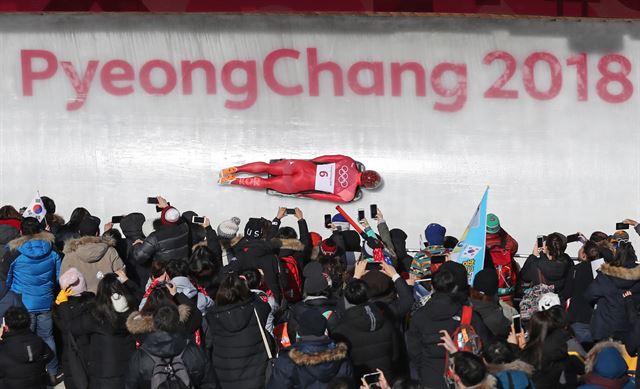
(370, 179)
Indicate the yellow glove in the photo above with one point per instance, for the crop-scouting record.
(63, 296)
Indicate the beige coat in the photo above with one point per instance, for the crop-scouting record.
(93, 256)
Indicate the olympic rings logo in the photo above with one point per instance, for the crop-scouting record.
(343, 176)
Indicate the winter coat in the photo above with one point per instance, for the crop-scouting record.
(371, 338)
(110, 348)
(606, 368)
(167, 345)
(299, 249)
(35, 271)
(609, 318)
(441, 312)
(327, 306)
(8, 232)
(580, 277)
(23, 357)
(554, 360)
(8, 299)
(493, 318)
(510, 244)
(554, 272)
(512, 375)
(93, 256)
(261, 254)
(311, 363)
(166, 243)
(238, 353)
(140, 324)
(632, 339)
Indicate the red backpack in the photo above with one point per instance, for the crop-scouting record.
(292, 289)
(465, 338)
(505, 267)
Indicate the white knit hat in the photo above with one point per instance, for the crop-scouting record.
(547, 301)
(228, 229)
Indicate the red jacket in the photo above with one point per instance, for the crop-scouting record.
(496, 239)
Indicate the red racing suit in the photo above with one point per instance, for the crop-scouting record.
(329, 177)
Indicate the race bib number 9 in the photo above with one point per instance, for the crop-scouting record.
(325, 177)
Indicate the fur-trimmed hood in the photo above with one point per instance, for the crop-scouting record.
(140, 323)
(291, 244)
(590, 360)
(301, 358)
(624, 273)
(489, 382)
(89, 248)
(75, 244)
(44, 236)
(516, 365)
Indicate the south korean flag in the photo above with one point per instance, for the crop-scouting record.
(35, 209)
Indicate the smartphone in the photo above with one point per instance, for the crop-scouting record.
(197, 219)
(424, 280)
(152, 200)
(373, 266)
(360, 214)
(438, 259)
(373, 208)
(573, 237)
(622, 226)
(371, 378)
(116, 219)
(290, 211)
(327, 221)
(517, 324)
(540, 241)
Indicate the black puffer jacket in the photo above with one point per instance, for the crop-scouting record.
(260, 254)
(371, 339)
(237, 350)
(310, 364)
(554, 360)
(493, 318)
(441, 312)
(165, 345)
(579, 279)
(167, 243)
(23, 357)
(554, 272)
(609, 318)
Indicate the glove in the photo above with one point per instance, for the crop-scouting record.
(63, 296)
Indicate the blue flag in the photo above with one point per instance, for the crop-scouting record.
(470, 249)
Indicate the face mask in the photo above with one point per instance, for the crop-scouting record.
(120, 304)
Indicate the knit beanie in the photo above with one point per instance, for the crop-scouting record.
(339, 221)
(89, 226)
(327, 247)
(254, 228)
(73, 279)
(378, 283)
(228, 229)
(434, 234)
(459, 273)
(170, 215)
(312, 322)
(188, 216)
(493, 224)
(315, 281)
(486, 281)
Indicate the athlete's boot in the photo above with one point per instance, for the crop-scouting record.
(228, 171)
(227, 180)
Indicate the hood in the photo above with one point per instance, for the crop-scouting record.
(33, 246)
(290, 246)
(184, 286)
(365, 318)
(163, 344)
(234, 317)
(605, 359)
(622, 277)
(442, 307)
(24, 346)
(8, 233)
(320, 359)
(89, 248)
(516, 365)
(142, 323)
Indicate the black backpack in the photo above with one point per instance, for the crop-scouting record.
(169, 373)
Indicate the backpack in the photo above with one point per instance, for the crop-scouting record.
(292, 289)
(529, 302)
(466, 338)
(169, 373)
(503, 263)
(513, 379)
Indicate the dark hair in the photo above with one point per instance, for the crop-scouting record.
(157, 224)
(103, 310)
(591, 251)
(625, 255)
(158, 268)
(197, 233)
(558, 316)
(167, 318)
(443, 281)
(287, 233)
(30, 226)
(204, 266)
(232, 289)
(499, 352)
(158, 297)
(556, 245)
(356, 292)
(17, 318)
(49, 204)
(335, 267)
(177, 268)
(469, 368)
(253, 277)
(407, 383)
(9, 212)
(598, 236)
(450, 242)
(341, 383)
(540, 326)
(77, 216)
